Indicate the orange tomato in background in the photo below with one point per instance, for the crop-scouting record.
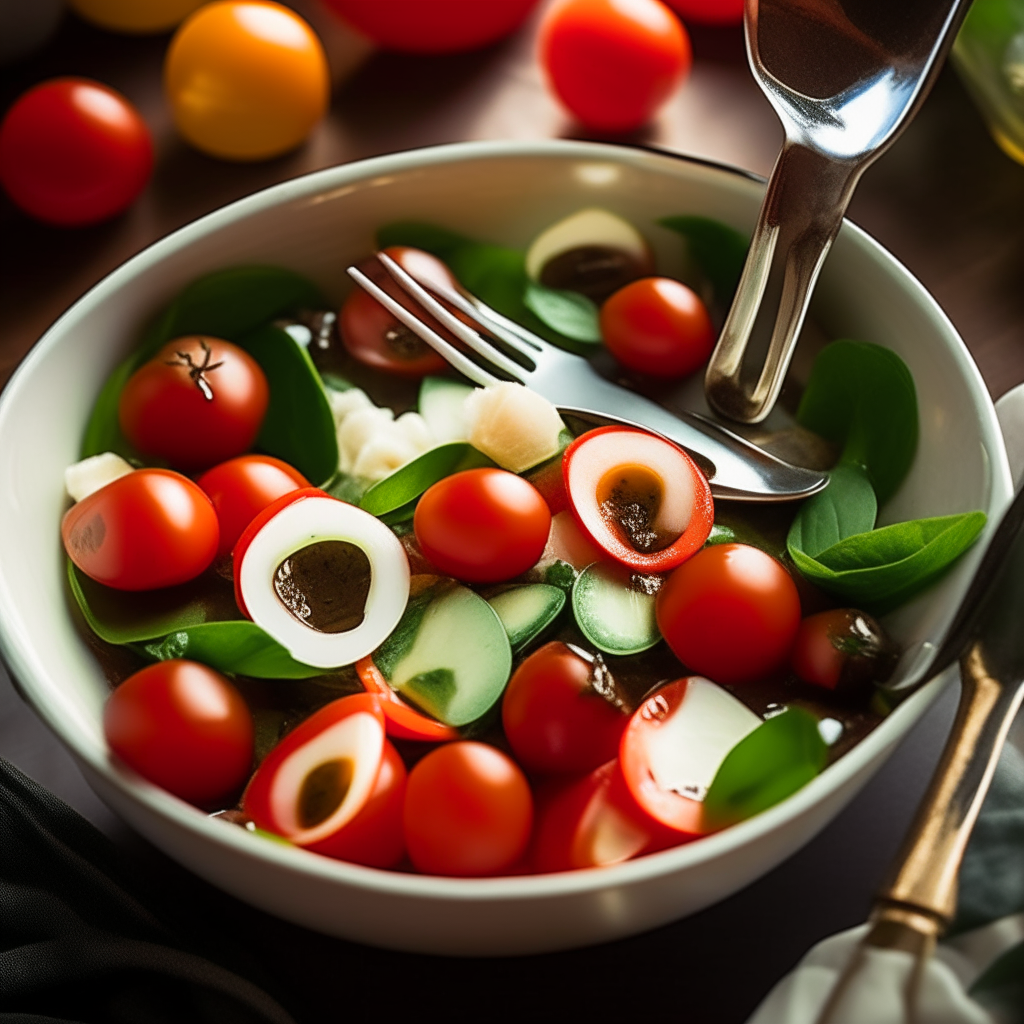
(134, 16)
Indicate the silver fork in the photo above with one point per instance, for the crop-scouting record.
(736, 469)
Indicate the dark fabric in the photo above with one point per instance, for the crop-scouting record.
(77, 942)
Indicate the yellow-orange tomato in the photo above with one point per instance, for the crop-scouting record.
(139, 16)
(246, 79)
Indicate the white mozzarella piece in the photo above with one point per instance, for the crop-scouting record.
(88, 476)
(512, 425)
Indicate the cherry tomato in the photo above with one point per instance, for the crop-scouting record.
(246, 79)
(555, 721)
(468, 811)
(184, 727)
(73, 152)
(482, 525)
(731, 613)
(242, 488)
(843, 650)
(658, 326)
(709, 12)
(433, 26)
(402, 721)
(197, 402)
(150, 528)
(613, 62)
(133, 16)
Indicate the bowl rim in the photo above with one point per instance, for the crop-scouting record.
(24, 670)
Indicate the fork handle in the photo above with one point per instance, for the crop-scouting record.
(802, 212)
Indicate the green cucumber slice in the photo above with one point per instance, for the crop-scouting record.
(615, 617)
(450, 654)
(528, 610)
(441, 404)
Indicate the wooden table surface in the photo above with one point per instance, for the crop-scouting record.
(944, 200)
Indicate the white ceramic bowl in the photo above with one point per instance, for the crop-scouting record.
(317, 225)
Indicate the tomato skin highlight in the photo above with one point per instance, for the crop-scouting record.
(554, 720)
(657, 326)
(194, 421)
(468, 811)
(184, 727)
(148, 529)
(613, 63)
(482, 525)
(243, 487)
(74, 152)
(402, 721)
(730, 613)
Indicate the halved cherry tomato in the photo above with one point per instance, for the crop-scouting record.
(197, 402)
(150, 528)
(482, 525)
(468, 811)
(613, 62)
(403, 721)
(658, 326)
(433, 26)
(319, 778)
(242, 488)
(73, 151)
(731, 613)
(554, 720)
(184, 727)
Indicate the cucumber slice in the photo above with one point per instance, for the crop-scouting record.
(527, 611)
(442, 405)
(615, 617)
(450, 655)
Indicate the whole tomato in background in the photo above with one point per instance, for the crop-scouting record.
(74, 152)
(135, 16)
(613, 63)
(246, 79)
(709, 12)
(433, 26)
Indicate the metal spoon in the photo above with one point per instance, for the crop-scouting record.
(845, 78)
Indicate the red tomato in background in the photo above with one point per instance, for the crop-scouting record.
(482, 525)
(73, 152)
(433, 26)
(709, 12)
(184, 727)
(554, 720)
(730, 613)
(242, 488)
(174, 409)
(658, 326)
(613, 63)
(468, 811)
(150, 528)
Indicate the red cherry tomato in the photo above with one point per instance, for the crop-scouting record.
(554, 719)
(468, 811)
(73, 151)
(197, 402)
(150, 528)
(613, 62)
(482, 525)
(709, 12)
(731, 613)
(403, 721)
(184, 727)
(658, 326)
(242, 488)
(433, 26)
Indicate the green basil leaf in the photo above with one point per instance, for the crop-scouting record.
(775, 760)
(125, 617)
(569, 313)
(346, 487)
(225, 304)
(719, 250)
(408, 482)
(299, 424)
(846, 507)
(240, 647)
(862, 397)
(882, 569)
(721, 534)
(428, 237)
